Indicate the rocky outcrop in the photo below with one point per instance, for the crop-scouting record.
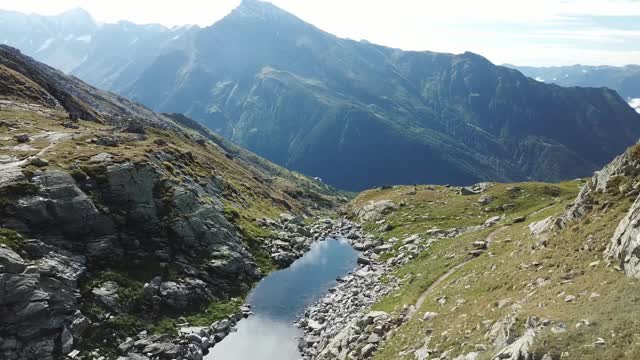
(115, 216)
(625, 243)
(39, 305)
(620, 178)
(615, 177)
(375, 211)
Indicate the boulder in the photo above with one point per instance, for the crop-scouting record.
(624, 246)
(11, 262)
(107, 295)
(375, 211)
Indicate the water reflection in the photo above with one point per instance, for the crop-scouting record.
(259, 337)
(282, 296)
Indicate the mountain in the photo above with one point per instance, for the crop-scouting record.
(360, 115)
(105, 55)
(116, 220)
(625, 80)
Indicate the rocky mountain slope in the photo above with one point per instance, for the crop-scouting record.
(117, 221)
(526, 271)
(625, 79)
(360, 115)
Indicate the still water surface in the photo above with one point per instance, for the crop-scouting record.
(280, 298)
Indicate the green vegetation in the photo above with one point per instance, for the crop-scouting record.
(440, 207)
(11, 239)
(130, 291)
(515, 274)
(215, 311)
(252, 234)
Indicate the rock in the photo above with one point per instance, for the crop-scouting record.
(485, 200)
(22, 138)
(11, 262)
(160, 142)
(492, 221)
(375, 211)
(539, 227)
(100, 158)
(363, 260)
(479, 245)
(520, 349)
(107, 141)
(107, 295)
(467, 190)
(134, 127)
(289, 218)
(519, 219)
(382, 248)
(476, 253)
(429, 316)
(569, 298)
(501, 332)
(38, 162)
(367, 350)
(66, 341)
(624, 246)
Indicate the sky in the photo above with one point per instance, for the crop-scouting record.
(520, 32)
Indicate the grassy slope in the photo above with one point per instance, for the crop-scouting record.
(508, 273)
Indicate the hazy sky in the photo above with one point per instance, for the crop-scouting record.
(522, 32)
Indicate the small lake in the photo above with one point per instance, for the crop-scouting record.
(280, 298)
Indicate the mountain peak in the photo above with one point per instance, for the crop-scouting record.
(261, 10)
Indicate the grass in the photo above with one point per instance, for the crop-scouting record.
(441, 207)
(217, 310)
(503, 280)
(11, 239)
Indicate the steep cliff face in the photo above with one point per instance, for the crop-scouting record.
(125, 222)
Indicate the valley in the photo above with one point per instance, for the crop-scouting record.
(262, 189)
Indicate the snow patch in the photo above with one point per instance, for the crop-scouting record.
(538, 78)
(635, 103)
(45, 45)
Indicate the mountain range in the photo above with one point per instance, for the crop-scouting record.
(356, 114)
(109, 56)
(625, 79)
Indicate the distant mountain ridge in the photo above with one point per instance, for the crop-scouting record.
(105, 55)
(624, 79)
(360, 115)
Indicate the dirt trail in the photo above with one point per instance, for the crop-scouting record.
(489, 239)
